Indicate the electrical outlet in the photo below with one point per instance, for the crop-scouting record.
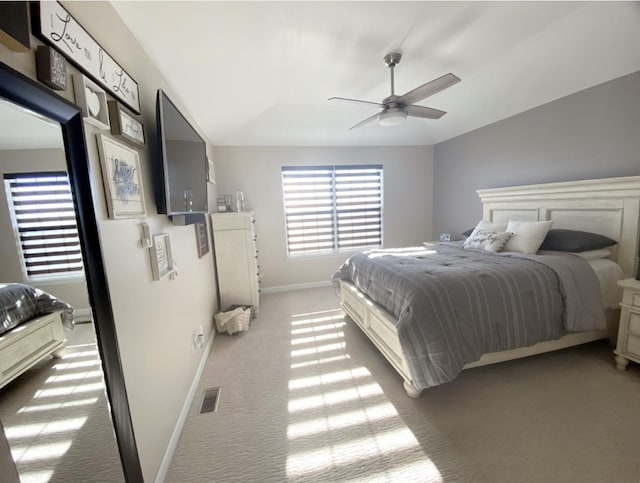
(198, 339)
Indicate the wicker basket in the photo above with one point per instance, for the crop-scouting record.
(235, 320)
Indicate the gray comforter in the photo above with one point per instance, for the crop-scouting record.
(20, 303)
(454, 305)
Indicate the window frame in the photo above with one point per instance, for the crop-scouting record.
(334, 250)
(44, 278)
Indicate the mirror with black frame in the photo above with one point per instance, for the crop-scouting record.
(64, 411)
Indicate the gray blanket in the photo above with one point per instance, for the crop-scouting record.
(454, 305)
(20, 303)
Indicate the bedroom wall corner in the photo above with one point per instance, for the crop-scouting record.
(587, 135)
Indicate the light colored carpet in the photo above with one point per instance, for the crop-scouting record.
(306, 397)
(56, 418)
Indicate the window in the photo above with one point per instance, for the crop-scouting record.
(45, 223)
(332, 208)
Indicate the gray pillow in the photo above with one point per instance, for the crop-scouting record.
(575, 241)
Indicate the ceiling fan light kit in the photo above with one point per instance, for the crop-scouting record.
(395, 109)
(392, 117)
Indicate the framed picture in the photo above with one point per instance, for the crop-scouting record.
(92, 100)
(57, 27)
(202, 238)
(125, 125)
(51, 68)
(122, 179)
(161, 257)
(211, 172)
(14, 26)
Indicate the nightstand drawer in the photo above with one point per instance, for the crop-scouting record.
(634, 322)
(633, 344)
(635, 300)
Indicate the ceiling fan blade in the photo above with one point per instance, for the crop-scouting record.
(428, 89)
(357, 101)
(367, 120)
(426, 112)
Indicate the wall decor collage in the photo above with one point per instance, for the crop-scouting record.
(108, 98)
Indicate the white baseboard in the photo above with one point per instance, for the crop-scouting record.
(182, 418)
(82, 315)
(298, 286)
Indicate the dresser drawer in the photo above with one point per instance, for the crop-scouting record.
(633, 344)
(634, 322)
(232, 221)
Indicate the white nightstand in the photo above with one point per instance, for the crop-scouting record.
(628, 346)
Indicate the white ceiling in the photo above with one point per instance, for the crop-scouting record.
(260, 73)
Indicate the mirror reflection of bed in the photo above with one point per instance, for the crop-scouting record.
(52, 395)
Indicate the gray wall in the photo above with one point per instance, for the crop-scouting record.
(594, 133)
(407, 197)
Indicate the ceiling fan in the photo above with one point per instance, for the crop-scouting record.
(395, 109)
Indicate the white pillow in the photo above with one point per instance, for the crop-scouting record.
(491, 241)
(594, 254)
(527, 235)
(489, 226)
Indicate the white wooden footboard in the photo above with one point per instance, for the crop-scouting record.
(380, 327)
(28, 344)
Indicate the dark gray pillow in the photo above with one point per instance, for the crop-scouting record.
(469, 231)
(575, 241)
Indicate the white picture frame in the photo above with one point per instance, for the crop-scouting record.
(122, 179)
(161, 257)
(92, 100)
(58, 28)
(211, 172)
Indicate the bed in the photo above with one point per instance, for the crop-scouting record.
(609, 207)
(32, 326)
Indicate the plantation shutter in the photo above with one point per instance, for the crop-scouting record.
(46, 224)
(329, 208)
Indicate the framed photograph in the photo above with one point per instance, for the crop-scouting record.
(202, 238)
(161, 257)
(125, 125)
(122, 179)
(92, 100)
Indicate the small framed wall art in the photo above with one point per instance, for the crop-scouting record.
(92, 100)
(14, 26)
(202, 238)
(51, 68)
(161, 257)
(125, 125)
(122, 179)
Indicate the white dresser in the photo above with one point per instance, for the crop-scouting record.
(628, 346)
(234, 239)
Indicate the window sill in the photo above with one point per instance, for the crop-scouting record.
(56, 280)
(320, 256)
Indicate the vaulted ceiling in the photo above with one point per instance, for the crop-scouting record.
(261, 73)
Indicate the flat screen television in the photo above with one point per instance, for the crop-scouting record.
(181, 185)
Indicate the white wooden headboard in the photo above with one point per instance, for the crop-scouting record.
(609, 207)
